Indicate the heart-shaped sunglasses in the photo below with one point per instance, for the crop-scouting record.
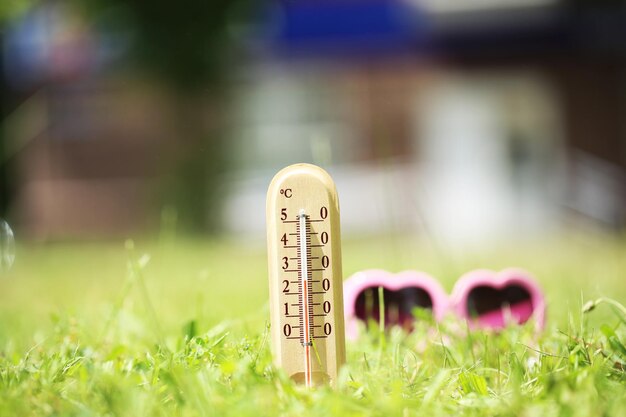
(484, 298)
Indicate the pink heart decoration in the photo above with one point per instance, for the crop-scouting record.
(402, 292)
(492, 299)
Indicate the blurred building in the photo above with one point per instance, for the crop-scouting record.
(471, 120)
(85, 147)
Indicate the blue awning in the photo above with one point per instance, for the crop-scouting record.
(347, 26)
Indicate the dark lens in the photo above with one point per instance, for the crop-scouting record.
(483, 300)
(399, 305)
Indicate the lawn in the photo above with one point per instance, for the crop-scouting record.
(180, 328)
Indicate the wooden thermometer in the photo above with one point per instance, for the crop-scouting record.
(306, 289)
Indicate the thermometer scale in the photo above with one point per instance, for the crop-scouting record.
(306, 290)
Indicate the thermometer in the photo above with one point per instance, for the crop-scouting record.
(306, 289)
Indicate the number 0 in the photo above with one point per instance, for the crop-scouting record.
(323, 212)
(327, 329)
(287, 330)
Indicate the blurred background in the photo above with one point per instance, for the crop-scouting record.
(461, 134)
(466, 122)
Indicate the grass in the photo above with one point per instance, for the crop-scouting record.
(180, 328)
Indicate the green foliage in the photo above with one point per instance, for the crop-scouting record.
(184, 332)
(12, 8)
(184, 43)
